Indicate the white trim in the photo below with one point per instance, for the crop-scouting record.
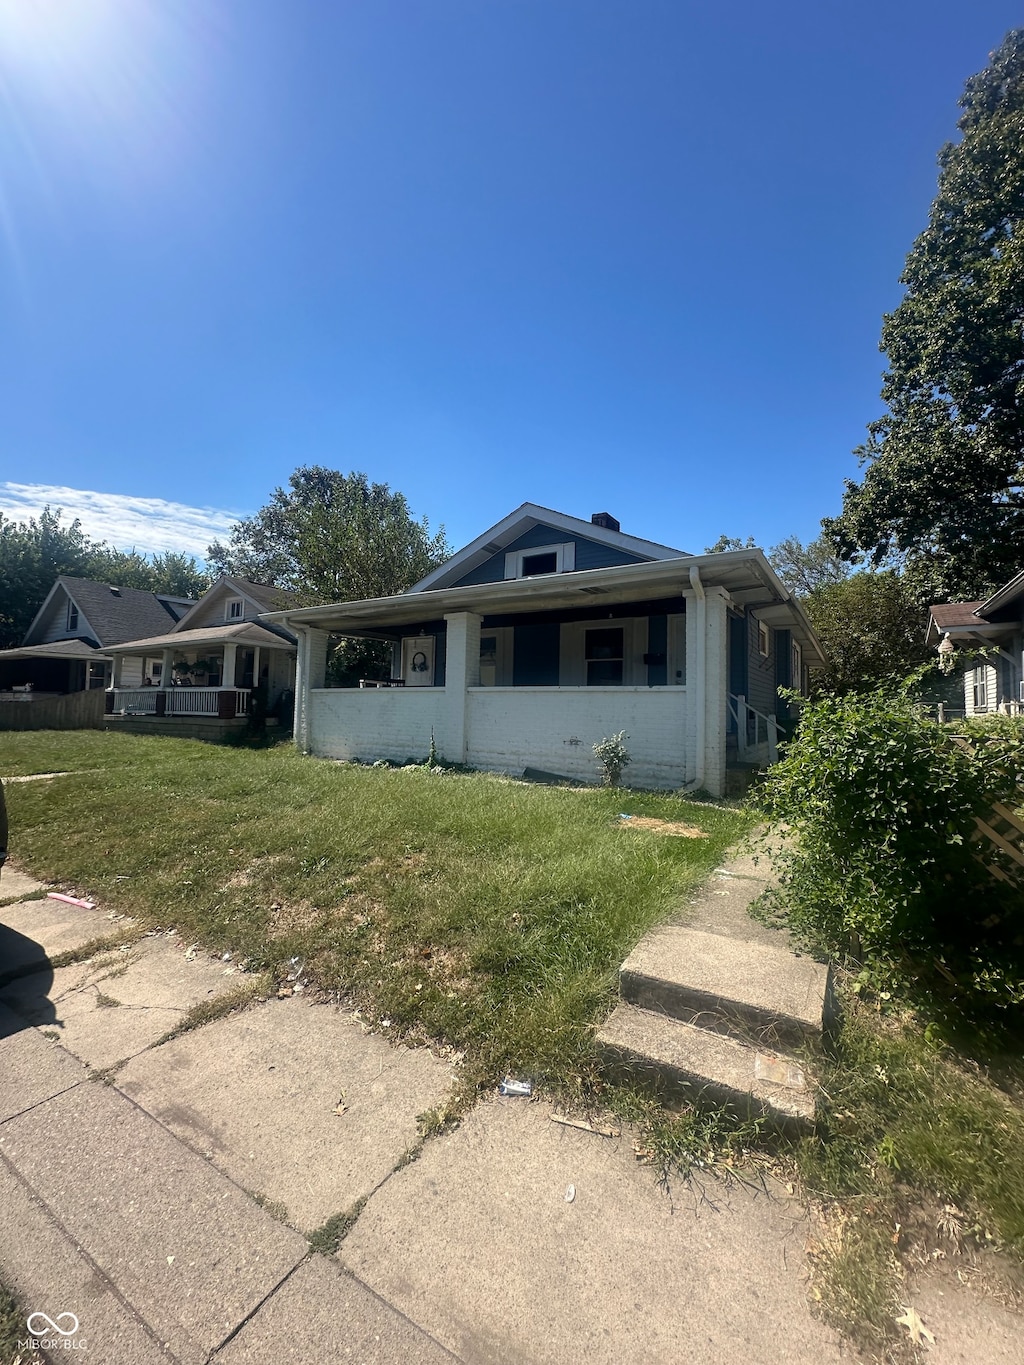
(229, 609)
(565, 559)
(418, 660)
(72, 610)
(504, 532)
(764, 639)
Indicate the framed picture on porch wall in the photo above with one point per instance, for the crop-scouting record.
(418, 660)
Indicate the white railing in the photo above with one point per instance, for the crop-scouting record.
(757, 735)
(179, 701)
(139, 701)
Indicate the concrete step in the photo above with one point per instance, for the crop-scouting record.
(750, 990)
(684, 1062)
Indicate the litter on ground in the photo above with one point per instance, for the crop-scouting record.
(649, 822)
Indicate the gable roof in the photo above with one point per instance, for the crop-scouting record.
(261, 596)
(114, 614)
(238, 632)
(494, 540)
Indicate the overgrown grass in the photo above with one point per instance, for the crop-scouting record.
(13, 1329)
(920, 1146)
(486, 914)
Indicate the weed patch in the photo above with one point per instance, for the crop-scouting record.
(326, 1239)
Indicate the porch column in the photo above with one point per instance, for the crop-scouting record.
(310, 671)
(707, 687)
(227, 672)
(256, 666)
(118, 665)
(167, 668)
(461, 671)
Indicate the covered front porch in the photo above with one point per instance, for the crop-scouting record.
(209, 674)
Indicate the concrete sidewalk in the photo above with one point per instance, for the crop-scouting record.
(159, 1192)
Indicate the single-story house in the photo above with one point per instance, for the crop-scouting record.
(64, 648)
(198, 677)
(548, 633)
(993, 680)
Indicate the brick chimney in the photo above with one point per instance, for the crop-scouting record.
(606, 520)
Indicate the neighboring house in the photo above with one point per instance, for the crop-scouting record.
(993, 681)
(64, 647)
(548, 633)
(201, 672)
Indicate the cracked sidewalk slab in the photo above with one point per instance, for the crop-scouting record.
(479, 1245)
(120, 1002)
(259, 1095)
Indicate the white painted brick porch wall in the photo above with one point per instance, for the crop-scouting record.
(370, 723)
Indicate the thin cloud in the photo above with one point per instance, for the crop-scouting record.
(149, 525)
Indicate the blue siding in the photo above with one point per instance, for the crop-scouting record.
(535, 654)
(760, 671)
(589, 555)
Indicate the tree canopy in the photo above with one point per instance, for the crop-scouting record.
(871, 628)
(943, 489)
(333, 537)
(34, 553)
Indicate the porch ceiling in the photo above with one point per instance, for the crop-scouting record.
(744, 574)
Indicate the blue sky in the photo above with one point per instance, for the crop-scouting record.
(626, 256)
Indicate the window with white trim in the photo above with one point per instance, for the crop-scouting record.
(604, 651)
(540, 559)
(72, 616)
(234, 610)
(797, 678)
(981, 689)
(764, 640)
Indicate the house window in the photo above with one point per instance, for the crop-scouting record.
(764, 640)
(235, 609)
(981, 689)
(604, 653)
(798, 667)
(72, 616)
(540, 559)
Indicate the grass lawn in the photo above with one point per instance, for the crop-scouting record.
(467, 909)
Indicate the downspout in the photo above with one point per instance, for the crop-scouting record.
(700, 681)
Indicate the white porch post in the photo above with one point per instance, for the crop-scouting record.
(256, 666)
(167, 668)
(310, 671)
(227, 672)
(461, 671)
(716, 688)
(118, 665)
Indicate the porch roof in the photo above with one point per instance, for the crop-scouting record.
(745, 575)
(246, 633)
(59, 649)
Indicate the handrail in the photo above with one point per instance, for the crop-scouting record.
(747, 744)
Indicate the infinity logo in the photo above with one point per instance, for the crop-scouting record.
(51, 1325)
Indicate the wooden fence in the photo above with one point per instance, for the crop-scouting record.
(76, 711)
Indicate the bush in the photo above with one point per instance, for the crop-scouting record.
(613, 756)
(880, 804)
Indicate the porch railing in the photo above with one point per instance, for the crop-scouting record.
(224, 702)
(757, 735)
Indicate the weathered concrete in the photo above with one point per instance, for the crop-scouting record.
(32, 1069)
(692, 974)
(42, 1265)
(695, 1063)
(32, 932)
(115, 1005)
(188, 1250)
(259, 1092)
(321, 1313)
(14, 884)
(723, 907)
(478, 1245)
(968, 1328)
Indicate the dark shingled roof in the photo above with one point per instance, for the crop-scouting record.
(119, 614)
(946, 615)
(269, 598)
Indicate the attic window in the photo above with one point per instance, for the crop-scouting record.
(540, 560)
(72, 616)
(234, 609)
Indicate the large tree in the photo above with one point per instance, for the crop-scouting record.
(943, 489)
(333, 537)
(35, 552)
(871, 628)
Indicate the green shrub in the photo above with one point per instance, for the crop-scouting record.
(880, 805)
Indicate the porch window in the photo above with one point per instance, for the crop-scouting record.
(605, 653)
(72, 616)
